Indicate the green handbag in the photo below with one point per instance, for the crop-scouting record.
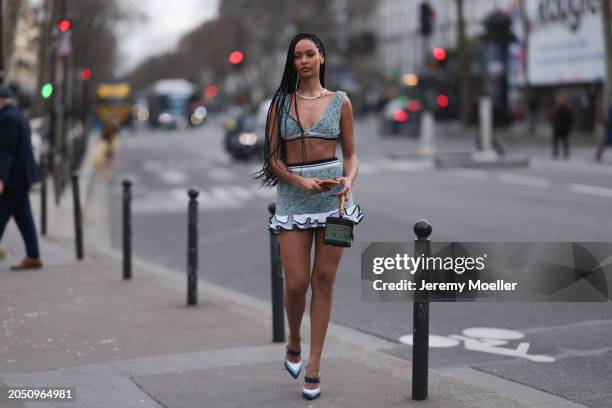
(339, 230)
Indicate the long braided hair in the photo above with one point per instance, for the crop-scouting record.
(287, 86)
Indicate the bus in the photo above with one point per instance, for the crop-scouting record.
(113, 103)
(169, 102)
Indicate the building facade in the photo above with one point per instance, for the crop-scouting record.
(22, 62)
(401, 47)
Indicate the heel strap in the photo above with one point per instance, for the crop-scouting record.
(311, 380)
(294, 353)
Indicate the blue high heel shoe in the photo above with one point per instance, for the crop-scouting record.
(311, 394)
(293, 368)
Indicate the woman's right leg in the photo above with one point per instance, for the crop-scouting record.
(295, 254)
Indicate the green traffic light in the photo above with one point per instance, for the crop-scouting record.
(46, 91)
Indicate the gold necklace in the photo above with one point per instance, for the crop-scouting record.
(312, 98)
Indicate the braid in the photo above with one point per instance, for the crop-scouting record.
(281, 108)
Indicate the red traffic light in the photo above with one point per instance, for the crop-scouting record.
(439, 54)
(64, 25)
(236, 57)
(210, 91)
(400, 115)
(442, 101)
(414, 106)
(86, 74)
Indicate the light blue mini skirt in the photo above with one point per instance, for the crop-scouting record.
(298, 209)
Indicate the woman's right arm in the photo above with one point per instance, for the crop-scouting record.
(279, 168)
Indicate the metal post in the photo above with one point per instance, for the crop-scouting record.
(127, 229)
(485, 133)
(427, 135)
(276, 271)
(420, 346)
(192, 248)
(43, 193)
(78, 226)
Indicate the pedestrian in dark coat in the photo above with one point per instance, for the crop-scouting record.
(607, 140)
(562, 122)
(18, 171)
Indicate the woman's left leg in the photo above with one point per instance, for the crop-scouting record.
(326, 261)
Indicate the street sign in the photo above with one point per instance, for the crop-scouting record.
(64, 44)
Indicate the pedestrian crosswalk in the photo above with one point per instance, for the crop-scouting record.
(229, 186)
(215, 198)
(224, 192)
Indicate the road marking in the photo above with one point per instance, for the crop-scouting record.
(525, 180)
(240, 192)
(485, 340)
(175, 177)
(221, 197)
(435, 341)
(406, 165)
(190, 163)
(591, 190)
(366, 168)
(220, 174)
(263, 192)
(493, 333)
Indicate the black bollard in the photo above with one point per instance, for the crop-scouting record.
(192, 248)
(420, 333)
(127, 229)
(43, 194)
(276, 270)
(78, 221)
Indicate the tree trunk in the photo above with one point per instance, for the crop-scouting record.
(464, 73)
(607, 37)
(10, 17)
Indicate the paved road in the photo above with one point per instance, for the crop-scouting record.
(549, 201)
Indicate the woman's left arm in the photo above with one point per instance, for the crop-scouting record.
(347, 142)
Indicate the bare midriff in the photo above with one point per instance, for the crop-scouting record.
(316, 149)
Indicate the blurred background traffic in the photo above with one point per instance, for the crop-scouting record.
(454, 101)
(75, 66)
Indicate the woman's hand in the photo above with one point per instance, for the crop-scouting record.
(346, 189)
(310, 185)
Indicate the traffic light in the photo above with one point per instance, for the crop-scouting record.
(498, 28)
(46, 90)
(442, 101)
(64, 25)
(210, 91)
(426, 18)
(439, 55)
(236, 58)
(85, 74)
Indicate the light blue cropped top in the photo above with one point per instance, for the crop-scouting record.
(328, 127)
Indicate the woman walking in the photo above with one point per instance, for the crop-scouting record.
(305, 122)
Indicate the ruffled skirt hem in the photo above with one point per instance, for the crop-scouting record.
(289, 222)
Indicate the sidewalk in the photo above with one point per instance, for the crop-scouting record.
(136, 344)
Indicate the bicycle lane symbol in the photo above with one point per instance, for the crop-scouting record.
(485, 340)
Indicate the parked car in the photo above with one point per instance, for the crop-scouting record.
(401, 116)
